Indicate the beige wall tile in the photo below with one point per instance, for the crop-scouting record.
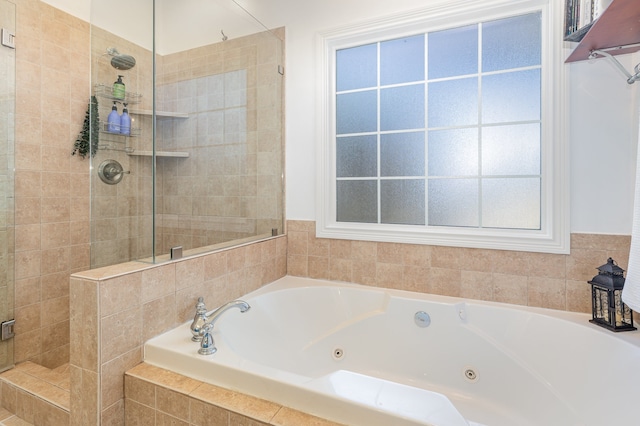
(138, 414)
(340, 269)
(255, 408)
(27, 318)
(113, 415)
(510, 289)
(389, 275)
(120, 293)
(289, 417)
(390, 253)
(27, 291)
(318, 267)
(547, 292)
(48, 414)
(158, 282)
(172, 403)
(203, 414)
(140, 391)
(446, 282)
(215, 265)
(298, 243)
(55, 310)
(56, 209)
(189, 272)
(56, 260)
(112, 377)
(120, 333)
(477, 285)
(158, 316)
(27, 264)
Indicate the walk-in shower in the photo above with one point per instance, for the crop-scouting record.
(204, 152)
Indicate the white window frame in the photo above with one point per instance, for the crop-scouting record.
(554, 235)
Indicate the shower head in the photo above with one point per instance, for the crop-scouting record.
(121, 61)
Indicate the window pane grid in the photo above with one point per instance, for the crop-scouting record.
(475, 80)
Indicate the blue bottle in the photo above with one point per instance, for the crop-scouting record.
(125, 121)
(113, 121)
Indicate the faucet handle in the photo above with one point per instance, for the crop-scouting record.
(199, 320)
(207, 344)
(200, 306)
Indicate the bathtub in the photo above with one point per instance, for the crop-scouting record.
(367, 356)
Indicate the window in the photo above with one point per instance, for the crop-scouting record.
(447, 130)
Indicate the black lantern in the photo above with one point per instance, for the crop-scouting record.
(609, 311)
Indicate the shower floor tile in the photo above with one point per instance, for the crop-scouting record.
(50, 385)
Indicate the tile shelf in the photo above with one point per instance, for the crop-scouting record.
(174, 154)
(160, 114)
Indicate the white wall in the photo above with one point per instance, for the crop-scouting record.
(604, 135)
(603, 112)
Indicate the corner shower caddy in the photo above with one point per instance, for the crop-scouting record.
(104, 91)
(132, 98)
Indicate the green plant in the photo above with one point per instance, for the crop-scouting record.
(87, 141)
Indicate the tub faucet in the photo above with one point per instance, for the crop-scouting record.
(201, 319)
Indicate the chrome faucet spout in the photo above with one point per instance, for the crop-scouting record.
(215, 315)
(202, 320)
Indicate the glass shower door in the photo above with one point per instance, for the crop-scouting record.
(7, 137)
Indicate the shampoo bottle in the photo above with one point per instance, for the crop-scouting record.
(118, 88)
(125, 121)
(113, 121)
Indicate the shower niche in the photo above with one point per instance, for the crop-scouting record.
(205, 161)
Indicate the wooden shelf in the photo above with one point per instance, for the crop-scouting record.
(175, 154)
(618, 26)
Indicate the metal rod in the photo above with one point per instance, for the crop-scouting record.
(631, 78)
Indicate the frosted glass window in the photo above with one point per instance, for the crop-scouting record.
(453, 202)
(357, 67)
(402, 154)
(402, 60)
(402, 107)
(520, 209)
(453, 103)
(453, 52)
(357, 112)
(357, 201)
(453, 152)
(512, 42)
(357, 156)
(511, 96)
(441, 128)
(511, 150)
(402, 201)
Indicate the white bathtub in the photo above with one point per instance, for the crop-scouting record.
(355, 355)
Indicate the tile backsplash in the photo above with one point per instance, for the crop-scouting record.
(553, 281)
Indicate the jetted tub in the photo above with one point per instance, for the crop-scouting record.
(360, 356)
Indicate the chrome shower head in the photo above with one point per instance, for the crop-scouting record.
(121, 61)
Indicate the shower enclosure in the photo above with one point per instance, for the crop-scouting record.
(200, 166)
(7, 140)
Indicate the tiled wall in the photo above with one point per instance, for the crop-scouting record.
(51, 186)
(230, 187)
(121, 214)
(115, 309)
(534, 279)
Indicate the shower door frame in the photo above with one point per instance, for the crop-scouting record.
(7, 217)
